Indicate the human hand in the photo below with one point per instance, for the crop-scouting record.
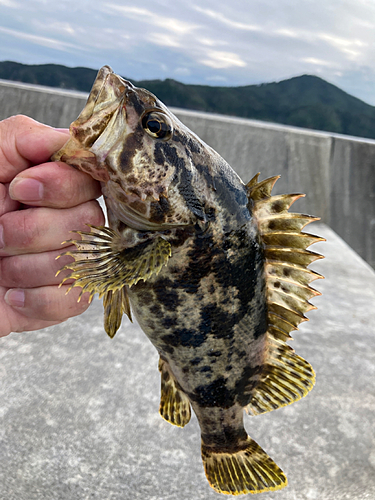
(39, 204)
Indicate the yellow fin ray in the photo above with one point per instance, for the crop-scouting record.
(291, 255)
(289, 301)
(290, 222)
(286, 378)
(248, 470)
(102, 264)
(262, 189)
(276, 205)
(115, 305)
(174, 404)
(289, 315)
(279, 333)
(286, 270)
(281, 323)
(290, 287)
(290, 239)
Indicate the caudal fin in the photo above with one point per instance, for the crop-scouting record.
(249, 470)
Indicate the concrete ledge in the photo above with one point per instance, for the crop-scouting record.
(336, 171)
(79, 412)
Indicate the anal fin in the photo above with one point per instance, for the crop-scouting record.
(248, 470)
(174, 404)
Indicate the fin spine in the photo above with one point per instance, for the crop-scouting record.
(286, 377)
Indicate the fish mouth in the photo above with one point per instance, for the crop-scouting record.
(107, 92)
(107, 99)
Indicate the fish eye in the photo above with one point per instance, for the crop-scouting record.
(157, 125)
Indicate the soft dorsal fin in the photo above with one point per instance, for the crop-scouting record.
(286, 376)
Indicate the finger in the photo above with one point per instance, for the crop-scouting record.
(46, 304)
(34, 270)
(24, 142)
(6, 202)
(36, 230)
(54, 184)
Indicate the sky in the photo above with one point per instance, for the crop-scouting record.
(210, 42)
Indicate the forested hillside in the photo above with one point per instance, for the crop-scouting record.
(304, 101)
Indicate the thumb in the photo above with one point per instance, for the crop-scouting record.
(25, 142)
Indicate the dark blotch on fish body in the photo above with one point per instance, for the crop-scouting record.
(244, 387)
(214, 394)
(185, 337)
(133, 142)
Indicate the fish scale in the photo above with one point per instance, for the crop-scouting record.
(215, 271)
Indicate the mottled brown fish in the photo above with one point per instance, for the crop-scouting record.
(215, 272)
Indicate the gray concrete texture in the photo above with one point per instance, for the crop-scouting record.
(79, 411)
(337, 172)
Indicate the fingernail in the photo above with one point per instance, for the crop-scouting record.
(2, 243)
(15, 297)
(26, 190)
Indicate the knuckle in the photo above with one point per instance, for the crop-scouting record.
(93, 213)
(11, 274)
(25, 228)
(17, 120)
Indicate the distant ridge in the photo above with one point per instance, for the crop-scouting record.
(303, 101)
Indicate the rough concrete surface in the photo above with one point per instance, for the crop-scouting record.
(79, 411)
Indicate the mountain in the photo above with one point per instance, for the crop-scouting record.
(303, 101)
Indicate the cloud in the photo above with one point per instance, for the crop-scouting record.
(221, 60)
(9, 3)
(211, 40)
(147, 16)
(164, 39)
(39, 40)
(225, 20)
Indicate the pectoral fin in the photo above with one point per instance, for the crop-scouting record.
(174, 404)
(102, 265)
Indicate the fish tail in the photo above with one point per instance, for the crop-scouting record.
(247, 470)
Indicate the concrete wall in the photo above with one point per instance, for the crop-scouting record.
(337, 172)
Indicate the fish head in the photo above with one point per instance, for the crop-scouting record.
(141, 153)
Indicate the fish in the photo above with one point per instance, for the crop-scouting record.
(214, 270)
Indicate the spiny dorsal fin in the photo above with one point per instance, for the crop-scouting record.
(286, 377)
(174, 404)
(262, 189)
(285, 248)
